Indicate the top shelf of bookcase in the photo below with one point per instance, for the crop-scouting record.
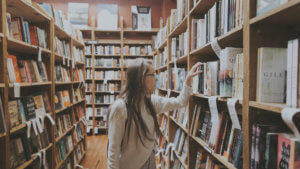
(27, 11)
(286, 14)
(179, 28)
(152, 31)
(202, 7)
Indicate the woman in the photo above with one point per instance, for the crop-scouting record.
(133, 121)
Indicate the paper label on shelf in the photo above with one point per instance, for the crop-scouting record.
(28, 124)
(172, 153)
(216, 47)
(112, 92)
(169, 92)
(175, 66)
(213, 107)
(50, 118)
(34, 127)
(105, 81)
(208, 149)
(68, 63)
(170, 146)
(39, 125)
(40, 54)
(75, 126)
(233, 113)
(79, 166)
(64, 60)
(73, 63)
(38, 155)
(17, 90)
(43, 151)
(287, 115)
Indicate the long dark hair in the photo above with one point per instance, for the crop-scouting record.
(133, 93)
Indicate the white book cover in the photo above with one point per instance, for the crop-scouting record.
(78, 14)
(271, 74)
(107, 17)
(141, 17)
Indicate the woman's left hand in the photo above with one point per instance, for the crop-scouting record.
(193, 72)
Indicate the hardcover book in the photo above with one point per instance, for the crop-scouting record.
(141, 17)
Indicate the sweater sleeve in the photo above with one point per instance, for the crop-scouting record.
(163, 104)
(116, 130)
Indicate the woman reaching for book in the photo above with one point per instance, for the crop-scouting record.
(133, 124)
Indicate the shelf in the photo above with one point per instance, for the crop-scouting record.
(178, 124)
(162, 68)
(202, 96)
(163, 90)
(161, 47)
(1, 35)
(78, 82)
(2, 135)
(63, 83)
(2, 85)
(102, 104)
(201, 7)
(108, 92)
(108, 68)
(137, 42)
(60, 33)
(34, 84)
(62, 109)
(27, 163)
(180, 60)
(135, 56)
(274, 107)
(79, 63)
(61, 162)
(116, 55)
(17, 45)
(60, 58)
(22, 8)
(80, 101)
(18, 128)
(108, 42)
(152, 31)
(285, 14)
(211, 152)
(118, 30)
(77, 43)
(233, 38)
(179, 28)
(64, 134)
(182, 161)
(108, 80)
(102, 128)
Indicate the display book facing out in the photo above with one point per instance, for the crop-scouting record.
(204, 139)
(108, 53)
(44, 69)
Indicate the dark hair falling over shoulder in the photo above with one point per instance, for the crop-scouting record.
(134, 94)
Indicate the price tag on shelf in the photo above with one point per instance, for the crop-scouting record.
(28, 124)
(39, 125)
(40, 54)
(287, 115)
(216, 47)
(175, 66)
(169, 92)
(68, 62)
(64, 59)
(43, 151)
(232, 112)
(17, 90)
(105, 81)
(73, 63)
(34, 127)
(50, 118)
(112, 92)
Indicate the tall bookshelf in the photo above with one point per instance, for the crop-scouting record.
(121, 37)
(271, 29)
(32, 13)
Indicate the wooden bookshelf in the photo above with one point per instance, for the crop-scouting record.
(271, 29)
(121, 37)
(34, 15)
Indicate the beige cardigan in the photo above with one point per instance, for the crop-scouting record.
(133, 154)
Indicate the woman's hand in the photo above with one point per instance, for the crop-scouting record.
(193, 72)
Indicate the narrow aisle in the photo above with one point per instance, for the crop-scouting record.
(96, 157)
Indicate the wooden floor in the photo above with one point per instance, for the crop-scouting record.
(96, 154)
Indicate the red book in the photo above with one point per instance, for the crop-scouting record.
(288, 152)
(33, 36)
(16, 68)
(27, 71)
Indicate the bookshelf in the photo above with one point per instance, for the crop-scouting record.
(273, 28)
(97, 40)
(32, 13)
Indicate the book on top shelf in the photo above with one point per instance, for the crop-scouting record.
(141, 17)
(263, 6)
(107, 17)
(78, 14)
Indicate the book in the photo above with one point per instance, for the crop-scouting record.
(141, 17)
(271, 68)
(288, 152)
(78, 14)
(17, 154)
(14, 115)
(263, 6)
(107, 17)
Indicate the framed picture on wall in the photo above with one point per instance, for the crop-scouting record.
(107, 17)
(141, 18)
(78, 14)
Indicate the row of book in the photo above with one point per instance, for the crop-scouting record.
(277, 74)
(79, 112)
(107, 62)
(78, 74)
(63, 148)
(107, 50)
(88, 49)
(61, 21)
(179, 46)
(78, 93)
(106, 99)
(88, 99)
(62, 99)
(205, 161)
(78, 54)
(163, 57)
(108, 87)
(63, 124)
(61, 74)
(224, 77)
(164, 126)
(180, 116)
(220, 19)
(108, 75)
(62, 47)
(23, 30)
(272, 146)
(28, 108)
(137, 50)
(22, 148)
(178, 14)
(177, 78)
(25, 71)
(162, 80)
(128, 62)
(180, 142)
(161, 37)
(101, 111)
(219, 134)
